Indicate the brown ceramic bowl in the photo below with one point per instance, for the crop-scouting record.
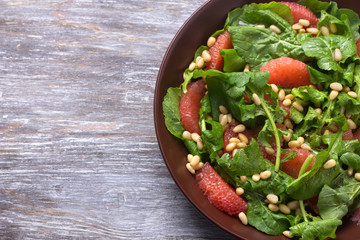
(195, 32)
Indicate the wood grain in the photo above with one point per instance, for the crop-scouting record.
(78, 152)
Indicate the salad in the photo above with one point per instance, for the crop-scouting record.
(269, 111)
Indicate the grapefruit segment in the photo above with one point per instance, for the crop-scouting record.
(219, 192)
(300, 12)
(190, 106)
(287, 72)
(223, 41)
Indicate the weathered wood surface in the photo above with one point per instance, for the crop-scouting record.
(78, 152)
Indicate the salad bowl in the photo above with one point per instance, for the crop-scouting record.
(195, 32)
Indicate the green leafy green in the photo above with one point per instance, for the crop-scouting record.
(232, 61)
(322, 48)
(263, 219)
(319, 228)
(351, 159)
(258, 46)
(171, 109)
(314, 5)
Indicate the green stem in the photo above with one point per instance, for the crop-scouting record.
(323, 120)
(306, 164)
(276, 135)
(303, 169)
(303, 212)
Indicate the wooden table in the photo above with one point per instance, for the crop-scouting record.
(79, 157)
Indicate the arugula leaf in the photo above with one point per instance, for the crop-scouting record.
(322, 48)
(314, 5)
(342, 28)
(171, 110)
(236, 15)
(351, 105)
(258, 46)
(334, 201)
(266, 134)
(311, 182)
(317, 76)
(321, 229)
(264, 220)
(232, 61)
(351, 160)
(216, 95)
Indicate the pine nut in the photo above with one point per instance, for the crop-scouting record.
(313, 31)
(189, 157)
(187, 135)
(290, 96)
(243, 138)
(230, 147)
(350, 171)
(324, 31)
(352, 94)
(298, 106)
(288, 123)
(239, 128)
(351, 123)
(333, 95)
(195, 137)
(199, 166)
(305, 146)
(333, 28)
(338, 55)
(287, 234)
(284, 209)
(301, 140)
(223, 109)
(243, 179)
(229, 118)
(287, 137)
(318, 110)
(199, 62)
(302, 30)
(269, 150)
(274, 88)
(192, 66)
(326, 132)
(256, 177)
(260, 26)
(265, 174)
(247, 68)
(297, 26)
(275, 29)
(234, 152)
(184, 76)
(281, 95)
(336, 86)
(293, 205)
(273, 207)
(312, 86)
(211, 41)
(240, 145)
(286, 102)
(357, 176)
(272, 198)
(304, 22)
(333, 127)
(199, 145)
(190, 168)
(206, 56)
(239, 191)
(294, 143)
(208, 117)
(195, 161)
(290, 131)
(224, 120)
(256, 99)
(347, 89)
(243, 218)
(234, 140)
(329, 164)
(342, 110)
